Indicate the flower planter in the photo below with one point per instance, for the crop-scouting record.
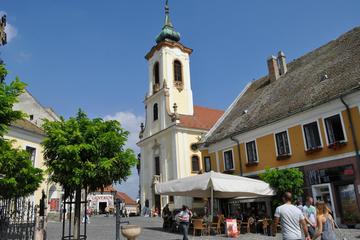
(131, 232)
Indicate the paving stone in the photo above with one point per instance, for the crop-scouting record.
(103, 228)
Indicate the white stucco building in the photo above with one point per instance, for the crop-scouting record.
(173, 124)
(28, 134)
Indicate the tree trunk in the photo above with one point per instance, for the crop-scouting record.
(77, 215)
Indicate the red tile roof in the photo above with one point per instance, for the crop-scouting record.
(125, 198)
(203, 118)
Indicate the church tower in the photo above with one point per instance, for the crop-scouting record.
(173, 124)
(168, 77)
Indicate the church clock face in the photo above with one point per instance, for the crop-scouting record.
(194, 147)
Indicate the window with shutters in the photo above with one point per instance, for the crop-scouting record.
(228, 160)
(251, 152)
(32, 153)
(207, 164)
(282, 143)
(334, 129)
(312, 136)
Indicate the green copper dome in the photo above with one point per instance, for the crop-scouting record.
(168, 32)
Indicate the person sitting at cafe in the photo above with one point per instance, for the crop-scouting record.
(238, 215)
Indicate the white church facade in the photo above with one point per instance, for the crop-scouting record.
(168, 139)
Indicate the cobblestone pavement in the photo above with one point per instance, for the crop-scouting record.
(103, 228)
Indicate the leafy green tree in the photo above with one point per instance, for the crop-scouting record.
(21, 178)
(284, 180)
(9, 94)
(84, 153)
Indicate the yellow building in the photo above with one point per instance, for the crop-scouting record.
(27, 134)
(304, 114)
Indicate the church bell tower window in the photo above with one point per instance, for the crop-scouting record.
(178, 78)
(156, 112)
(156, 75)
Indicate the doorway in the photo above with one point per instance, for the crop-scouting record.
(102, 207)
(323, 192)
(158, 203)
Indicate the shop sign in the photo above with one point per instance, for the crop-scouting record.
(231, 228)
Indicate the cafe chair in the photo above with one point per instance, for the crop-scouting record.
(216, 225)
(247, 224)
(239, 226)
(199, 225)
(265, 225)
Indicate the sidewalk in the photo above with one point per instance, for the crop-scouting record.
(103, 228)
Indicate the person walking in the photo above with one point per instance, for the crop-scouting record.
(184, 219)
(290, 218)
(166, 215)
(309, 212)
(325, 223)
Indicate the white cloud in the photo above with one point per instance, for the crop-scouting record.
(11, 31)
(130, 122)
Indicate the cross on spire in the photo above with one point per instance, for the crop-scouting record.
(168, 32)
(167, 14)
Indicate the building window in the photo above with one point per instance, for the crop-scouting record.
(195, 164)
(282, 143)
(156, 71)
(32, 153)
(156, 112)
(157, 166)
(312, 136)
(251, 152)
(171, 199)
(228, 160)
(334, 129)
(207, 164)
(177, 71)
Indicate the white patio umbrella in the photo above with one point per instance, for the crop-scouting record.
(214, 184)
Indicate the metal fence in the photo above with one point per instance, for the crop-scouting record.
(17, 219)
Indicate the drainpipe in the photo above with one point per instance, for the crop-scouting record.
(356, 146)
(238, 148)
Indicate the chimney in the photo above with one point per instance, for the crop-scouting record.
(282, 63)
(273, 68)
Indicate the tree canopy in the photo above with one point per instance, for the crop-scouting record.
(9, 94)
(284, 180)
(82, 152)
(21, 178)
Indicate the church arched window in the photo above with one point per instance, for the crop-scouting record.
(156, 112)
(156, 72)
(178, 71)
(195, 163)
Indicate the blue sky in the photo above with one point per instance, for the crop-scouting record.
(90, 54)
